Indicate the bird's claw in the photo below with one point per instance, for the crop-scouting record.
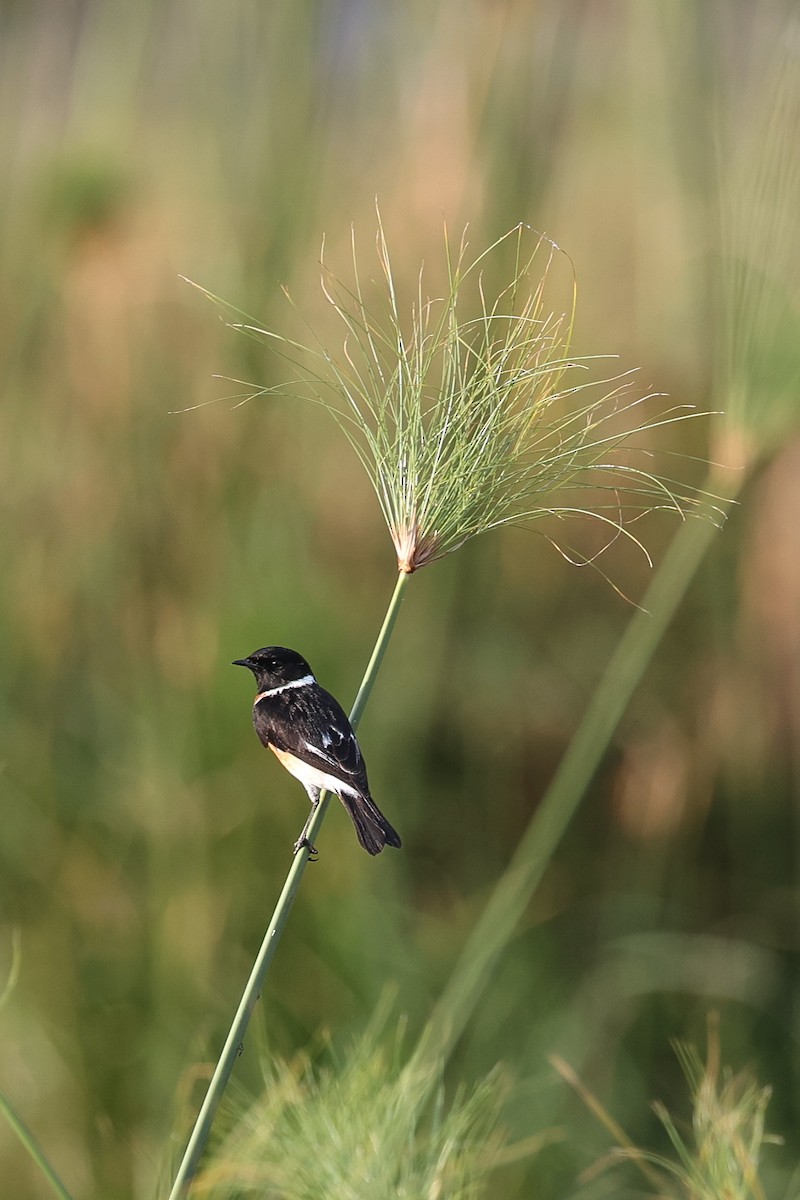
(303, 842)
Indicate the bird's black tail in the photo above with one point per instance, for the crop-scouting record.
(374, 831)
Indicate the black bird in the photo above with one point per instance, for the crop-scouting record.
(310, 733)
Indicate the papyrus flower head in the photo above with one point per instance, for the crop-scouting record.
(467, 410)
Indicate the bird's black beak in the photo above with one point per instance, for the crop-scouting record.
(241, 662)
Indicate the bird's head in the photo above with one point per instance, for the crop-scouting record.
(274, 666)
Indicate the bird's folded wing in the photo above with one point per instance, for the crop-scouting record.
(331, 748)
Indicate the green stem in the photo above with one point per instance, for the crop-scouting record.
(512, 894)
(32, 1146)
(235, 1040)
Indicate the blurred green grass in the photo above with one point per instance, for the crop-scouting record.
(144, 834)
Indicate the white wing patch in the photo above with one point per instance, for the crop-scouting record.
(327, 740)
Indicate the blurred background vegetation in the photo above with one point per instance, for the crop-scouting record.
(144, 832)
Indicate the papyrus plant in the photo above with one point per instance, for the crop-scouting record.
(719, 1153)
(467, 412)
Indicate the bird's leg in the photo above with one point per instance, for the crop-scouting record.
(302, 841)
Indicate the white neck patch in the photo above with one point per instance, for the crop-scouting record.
(284, 687)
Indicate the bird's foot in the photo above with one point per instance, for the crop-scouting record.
(303, 842)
